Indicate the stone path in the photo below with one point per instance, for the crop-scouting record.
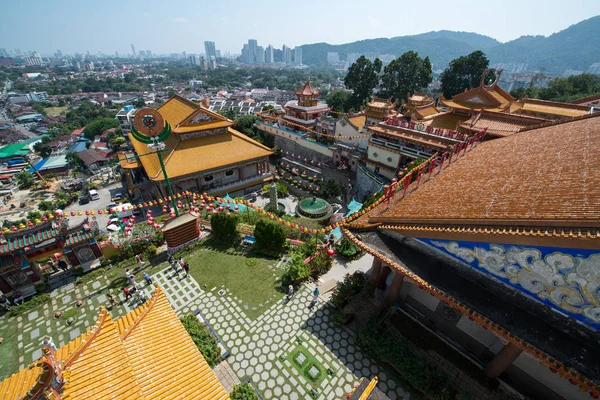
(260, 350)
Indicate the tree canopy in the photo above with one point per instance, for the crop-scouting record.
(562, 89)
(338, 101)
(42, 149)
(96, 128)
(362, 78)
(465, 73)
(405, 75)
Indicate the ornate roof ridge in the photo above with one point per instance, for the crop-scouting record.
(148, 307)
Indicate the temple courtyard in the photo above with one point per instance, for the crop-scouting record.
(284, 348)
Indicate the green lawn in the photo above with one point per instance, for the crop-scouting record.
(9, 352)
(245, 275)
(56, 111)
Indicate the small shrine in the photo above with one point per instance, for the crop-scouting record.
(307, 109)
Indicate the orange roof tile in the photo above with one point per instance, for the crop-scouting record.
(499, 124)
(128, 161)
(426, 111)
(448, 120)
(185, 116)
(146, 354)
(547, 176)
(307, 90)
(203, 153)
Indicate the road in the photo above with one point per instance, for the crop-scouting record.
(106, 194)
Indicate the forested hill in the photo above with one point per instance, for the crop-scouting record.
(576, 47)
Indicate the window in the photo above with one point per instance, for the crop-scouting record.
(229, 173)
(208, 178)
(389, 159)
(375, 155)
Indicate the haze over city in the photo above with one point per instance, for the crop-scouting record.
(109, 26)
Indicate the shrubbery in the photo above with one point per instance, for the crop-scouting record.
(345, 290)
(224, 226)
(202, 338)
(414, 369)
(243, 391)
(269, 236)
(347, 249)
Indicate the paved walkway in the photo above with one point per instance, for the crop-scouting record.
(265, 350)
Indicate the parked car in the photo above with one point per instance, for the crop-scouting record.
(117, 197)
(94, 195)
(110, 205)
(84, 200)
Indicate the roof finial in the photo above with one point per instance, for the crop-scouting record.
(482, 83)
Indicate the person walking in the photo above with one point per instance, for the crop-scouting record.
(316, 294)
(138, 258)
(147, 279)
(186, 268)
(111, 299)
(181, 262)
(290, 292)
(170, 259)
(127, 293)
(175, 269)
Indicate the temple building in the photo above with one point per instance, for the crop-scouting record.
(307, 109)
(379, 110)
(23, 252)
(496, 248)
(146, 354)
(204, 154)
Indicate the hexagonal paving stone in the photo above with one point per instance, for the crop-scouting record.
(268, 393)
(280, 380)
(274, 374)
(244, 364)
(383, 386)
(265, 375)
(277, 392)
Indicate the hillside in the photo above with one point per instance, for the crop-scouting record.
(571, 48)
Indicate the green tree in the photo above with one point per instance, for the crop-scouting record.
(362, 78)
(42, 149)
(96, 127)
(243, 391)
(74, 160)
(269, 236)
(405, 75)
(139, 103)
(332, 189)
(24, 179)
(465, 73)
(116, 143)
(224, 226)
(338, 101)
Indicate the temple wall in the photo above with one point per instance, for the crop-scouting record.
(365, 185)
(385, 157)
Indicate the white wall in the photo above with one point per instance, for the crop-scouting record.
(384, 156)
(483, 336)
(532, 367)
(423, 297)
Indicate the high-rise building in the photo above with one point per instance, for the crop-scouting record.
(298, 55)
(218, 52)
(333, 58)
(210, 50)
(246, 54)
(3, 53)
(269, 55)
(195, 60)
(116, 54)
(351, 58)
(252, 45)
(142, 53)
(148, 53)
(34, 60)
(260, 55)
(287, 54)
(133, 50)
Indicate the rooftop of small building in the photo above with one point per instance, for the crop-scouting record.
(500, 124)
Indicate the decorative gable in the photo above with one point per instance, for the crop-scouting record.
(475, 99)
(200, 118)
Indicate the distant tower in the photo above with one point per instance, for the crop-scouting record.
(298, 55)
(269, 56)
(252, 45)
(210, 50)
(133, 50)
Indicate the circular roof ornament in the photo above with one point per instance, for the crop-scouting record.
(148, 122)
(420, 126)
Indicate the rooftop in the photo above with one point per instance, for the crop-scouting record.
(499, 124)
(185, 116)
(307, 90)
(546, 176)
(145, 354)
(198, 154)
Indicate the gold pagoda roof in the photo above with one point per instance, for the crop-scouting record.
(203, 153)
(146, 354)
(307, 90)
(185, 116)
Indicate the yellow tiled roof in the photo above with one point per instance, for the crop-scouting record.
(189, 156)
(179, 112)
(128, 163)
(552, 108)
(358, 122)
(146, 354)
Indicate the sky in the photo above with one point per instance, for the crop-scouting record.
(174, 26)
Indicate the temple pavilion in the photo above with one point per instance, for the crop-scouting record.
(496, 249)
(306, 110)
(204, 154)
(146, 354)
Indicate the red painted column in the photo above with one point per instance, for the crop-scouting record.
(375, 271)
(502, 360)
(395, 288)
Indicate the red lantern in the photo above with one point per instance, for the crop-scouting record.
(330, 252)
(156, 226)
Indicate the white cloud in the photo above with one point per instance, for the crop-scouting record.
(180, 20)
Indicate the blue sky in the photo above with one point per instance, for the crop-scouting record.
(165, 26)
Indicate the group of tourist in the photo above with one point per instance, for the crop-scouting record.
(177, 265)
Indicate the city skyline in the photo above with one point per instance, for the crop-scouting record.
(41, 26)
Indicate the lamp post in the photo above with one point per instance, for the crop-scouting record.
(150, 128)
